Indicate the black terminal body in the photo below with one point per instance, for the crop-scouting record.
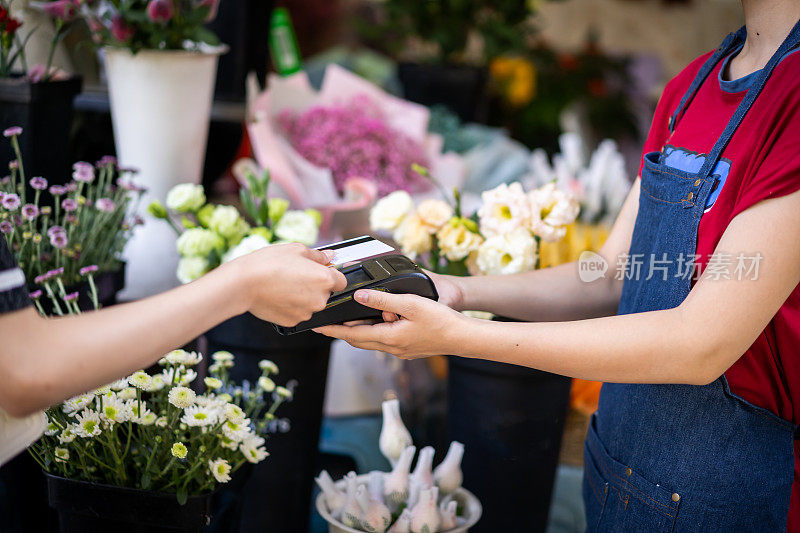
(396, 274)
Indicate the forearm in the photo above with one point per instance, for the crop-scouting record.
(551, 294)
(57, 358)
(638, 348)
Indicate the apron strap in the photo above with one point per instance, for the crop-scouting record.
(791, 41)
(731, 41)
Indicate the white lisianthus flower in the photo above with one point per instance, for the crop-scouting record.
(233, 412)
(552, 210)
(196, 416)
(51, 429)
(191, 268)
(268, 367)
(199, 242)
(283, 392)
(389, 211)
(266, 384)
(226, 221)
(505, 208)
(141, 380)
(179, 450)
(68, 435)
(62, 455)
(87, 424)
(119, 385)
(181, 397)
(413, 236)
(220, 469)
(298, 226)
(128, 393)
(186, 197)
(75, 404)
(212, 383)
(459, 238)
(511, 253)
(249, 244)
(434, 214)
(114, 410)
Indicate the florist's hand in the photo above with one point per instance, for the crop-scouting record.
(286, 283)
(450, 291)
(424, 328)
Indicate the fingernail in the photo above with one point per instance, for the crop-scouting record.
(330, 253)
(362, 296)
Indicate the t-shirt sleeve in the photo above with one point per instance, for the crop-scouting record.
(13, 290)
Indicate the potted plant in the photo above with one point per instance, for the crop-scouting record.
(148, 452)
(37, 97)
(210, 234)
(160, 62)
(502, 237)
(444, 46)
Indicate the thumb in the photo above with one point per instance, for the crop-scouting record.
(323, 257)
(401, 304)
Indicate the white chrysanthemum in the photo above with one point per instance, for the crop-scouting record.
(178, 375)
(266, 384)
(186, 197)
(236, 431)
(139, 411)
(114, 410)
(191, 268)
(87, 424)
(511, 253)
(456, 240)
(176, 357)
(505, 208)
(268, 367)
(222, 356)
(212, 383)
(157, 383)
(389, 211)
(225, 442)
(179, 450)
(248, 245)
(128, 393)
(161, 421)
(283, 392)
(220, 469)
(99, 391)
(141, 380)
(51, 429)
(68, 435)
(119, 385)
(196, 416)
(253, 454)
(61, 455)
(298, 226)
(233, 412)
(552, 210)
(77, 403)
(434, 214)
(147, 420)
(181, 397)
(253, 440)
(413, 236)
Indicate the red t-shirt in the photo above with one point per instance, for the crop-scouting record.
(761, 161)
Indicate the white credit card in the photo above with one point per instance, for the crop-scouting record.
(356, 249)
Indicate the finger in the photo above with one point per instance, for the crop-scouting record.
(323, 257)
(401, 304)
(353, 334)
(361, 323)
(339, 280)
(390, 317)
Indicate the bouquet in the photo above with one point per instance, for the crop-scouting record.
(142, 24)
(501, 237)
(67, 228)
(209, 235)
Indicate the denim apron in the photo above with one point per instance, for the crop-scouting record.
(684, 457)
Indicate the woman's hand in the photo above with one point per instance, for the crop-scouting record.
(451, 293)
(416, 326)
(286, 283)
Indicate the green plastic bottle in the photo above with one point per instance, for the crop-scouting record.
(283, 43)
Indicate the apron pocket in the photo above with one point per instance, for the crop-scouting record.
(630, 502)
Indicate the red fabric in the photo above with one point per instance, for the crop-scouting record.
(764, 157)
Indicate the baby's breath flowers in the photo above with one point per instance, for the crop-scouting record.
(153, 432)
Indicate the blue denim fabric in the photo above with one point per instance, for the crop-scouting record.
(682, 457)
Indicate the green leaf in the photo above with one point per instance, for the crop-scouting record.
(146, 481)
(182, 496)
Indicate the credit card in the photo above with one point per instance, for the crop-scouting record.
(356, 249)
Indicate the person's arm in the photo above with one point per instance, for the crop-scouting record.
(693, 343)
(46, 360)
(555, 293)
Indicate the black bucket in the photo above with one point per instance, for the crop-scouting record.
(278, 494)
(511, 420)
(84, 506)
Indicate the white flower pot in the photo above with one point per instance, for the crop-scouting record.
(472, 509)
(160, 108)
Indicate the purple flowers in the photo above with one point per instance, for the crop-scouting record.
(41, 279)
(160, 11)
(83, 172)
(6, 227)
(69, 205)
(13, 165)
(58, 190)
(56, 272)
(30, 211)
(11, 201)
(107, 160)
(39, 183)
(13, 131)
(35, 295)
(353, 140)
(106, 205)
(55, 229)
(121, 30)
(58, 240)
(91, 269)
(71, 297)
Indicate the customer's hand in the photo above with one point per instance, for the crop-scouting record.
(450, 291)
(286, 283)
